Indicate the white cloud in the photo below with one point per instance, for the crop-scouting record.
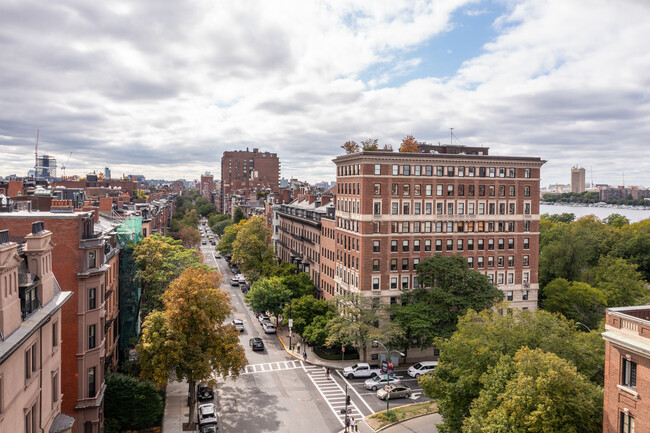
(164, 89)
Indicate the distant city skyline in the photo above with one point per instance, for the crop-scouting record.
(164, 91)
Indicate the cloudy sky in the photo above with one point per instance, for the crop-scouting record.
(163, 88)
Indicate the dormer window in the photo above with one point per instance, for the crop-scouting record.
(92, 259)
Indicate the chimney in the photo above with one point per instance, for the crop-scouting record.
(324, 199)
(62, 206)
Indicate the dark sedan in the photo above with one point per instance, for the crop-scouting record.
(204, 392)
(256, 343)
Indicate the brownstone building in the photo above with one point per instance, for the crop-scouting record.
(395, 209)
(627, 370)
(84, 262)
(243, 172)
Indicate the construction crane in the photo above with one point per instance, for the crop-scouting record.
(63, 166)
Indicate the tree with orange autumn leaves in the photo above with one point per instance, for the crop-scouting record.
(409, 144)
(189, 336)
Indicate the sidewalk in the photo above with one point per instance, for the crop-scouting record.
(283, 336)
(176, 410)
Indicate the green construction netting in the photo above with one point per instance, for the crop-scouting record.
(129, 232)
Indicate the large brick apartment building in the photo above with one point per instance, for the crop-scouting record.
(627, 370)
(392, 210)
(243, 172)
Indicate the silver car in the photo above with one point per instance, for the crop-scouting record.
(380, 381)
(394, 391)
(269, 328)
(239, 324)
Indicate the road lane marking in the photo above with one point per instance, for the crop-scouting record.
(355, 391)
(335, 402)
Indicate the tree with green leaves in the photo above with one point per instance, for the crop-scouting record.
(252, 249)
(371, 144)
(317, 331)
(361, 321)
(576, 301)
(189, 336)
(131, 404)
(633, 244)
(350, 147)
(190, 237)
(160, 261)
(483, 338)
(238, 215)
(304, 310)
(536, 392)
(616, 220)
(268, 295)
(206, 209)
(229, 236)
(300, 284)
(619, 280)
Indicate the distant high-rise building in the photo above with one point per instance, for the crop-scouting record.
(46, 167)
(577, 179)
(243, 171)
(107, 173)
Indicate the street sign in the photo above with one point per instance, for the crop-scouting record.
(290, 323)
(343, 349)
(387, 387)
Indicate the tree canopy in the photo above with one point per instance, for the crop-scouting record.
(350, 147)
(131, 404)
(483, 338)
(252, 249)
(576, 301)
(268, 294)
(536, 392)
(189, 335)
(304, 310)
(409, 144)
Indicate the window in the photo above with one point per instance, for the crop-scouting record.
(450, 244)
(377, 169)
(417, 190)
(375, 246)
(427, 190)
(481, 190)
(501, 243)
(526, 243)
(439, 208)
(526, 191)
(91, 382)
(492, 171)
(393, 283)
(511, 278)
(416, 226)
(479, 262)
(500, 278)
(526, 261)
(417, 170)
(405, 282)
(459, 245)
(375, 284)
(405, 246)
(629, 373)
(407, 189)
(393, 246)
(524, 295)
(394, 208)
(406, 208)
(92, 299)
(527, 173)
(450, 208)
(395, 169)
(377, 208)
(439, 170)
(417, 208)
(627, 423)
(377, 189)
(480, 244)
(415, 263)
(405, 264)
(511, 262)
(55, 387)
(470, 262)
(416, 245)
(500, 261)
(470, 244)
(526, 226)
(55, 334)
(527, 208)
(428, 170)
(31, 362)
(91, 336)
(31, 419)
(490, 262)
(92, 261)
(428, 208)
(490, 244)
(427, 245)
(375, 265)
(393, 264)
(376, 227)
(509, 296)
(512, 190)
(450, 190)
(439, 190)
(407, 170)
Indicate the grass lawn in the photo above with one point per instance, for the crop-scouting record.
(380, 419)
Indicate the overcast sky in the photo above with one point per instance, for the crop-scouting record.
(163, 88)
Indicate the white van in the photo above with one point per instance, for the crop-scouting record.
(421, 368)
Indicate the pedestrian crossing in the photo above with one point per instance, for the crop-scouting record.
(332, 392)
(272, 366)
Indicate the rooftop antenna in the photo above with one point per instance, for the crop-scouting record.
(451, 136)
(36, 157)
(591, 171)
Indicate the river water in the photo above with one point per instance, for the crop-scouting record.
(634, 215)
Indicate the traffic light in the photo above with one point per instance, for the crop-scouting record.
(347, 400)
(349, 411)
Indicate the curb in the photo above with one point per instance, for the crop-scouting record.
(400, 421)
(319, 362)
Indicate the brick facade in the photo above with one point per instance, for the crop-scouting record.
(627, 369)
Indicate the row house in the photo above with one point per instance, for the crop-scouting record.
(85, 261)
(627, 370)
(31, 326)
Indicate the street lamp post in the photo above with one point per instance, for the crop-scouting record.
(386, 377)
(290, 325)
(580, 323)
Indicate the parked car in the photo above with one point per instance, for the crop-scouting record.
(204, 392)
(242, 280)
(245, 288)
(239, 324)
(421, 368)
(210, 428)
(217, 256)
(380, 381)
(263, 318)
(394, 391)
(203, 242)
(234, 281)
(269, 328)
(361, 369)
(207, 414)
(256, 343)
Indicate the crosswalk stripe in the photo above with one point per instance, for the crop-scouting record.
(271, 366)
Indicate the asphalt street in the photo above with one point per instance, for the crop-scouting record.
(280, 393)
